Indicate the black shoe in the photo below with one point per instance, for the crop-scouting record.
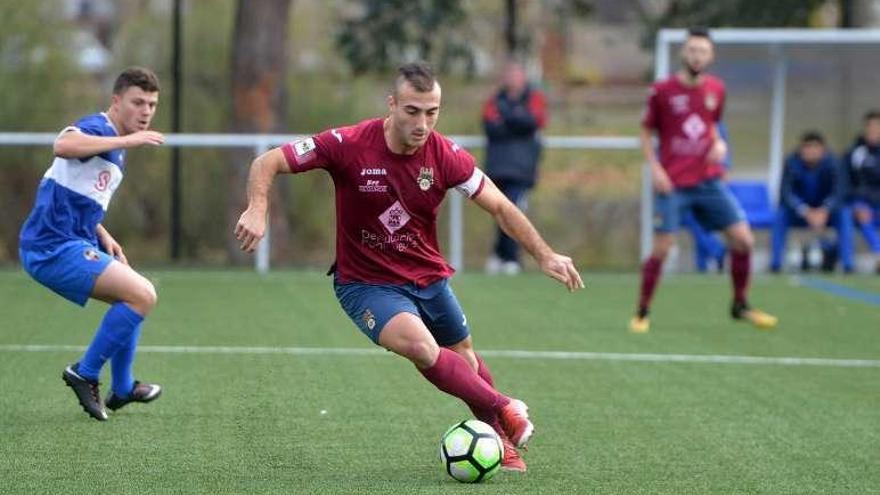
(86, 392)
(142, 392)
(737, 309)
(829, 258)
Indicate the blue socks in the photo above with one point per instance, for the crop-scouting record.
(117, 332)
(871, 237)
(121, 365)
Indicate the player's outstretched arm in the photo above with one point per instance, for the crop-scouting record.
(76, 144)
(516, 225)
(251, 226)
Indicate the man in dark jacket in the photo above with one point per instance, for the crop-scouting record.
(811, 195)
(863, 165)
(512, 119)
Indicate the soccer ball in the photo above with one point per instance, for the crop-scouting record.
(471, 451)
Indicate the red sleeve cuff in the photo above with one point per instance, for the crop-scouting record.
(289, 156)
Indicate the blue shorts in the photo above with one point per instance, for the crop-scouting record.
(712, 204)
(370, 307)
(70, 269)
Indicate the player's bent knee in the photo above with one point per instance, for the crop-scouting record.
(662, 248)
(743, 242)
(144, 298)
(422, 353)
(465, 348)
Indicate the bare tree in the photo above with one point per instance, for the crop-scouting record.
(258, 74)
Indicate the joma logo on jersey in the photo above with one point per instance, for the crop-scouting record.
(373, 171)
(680, 103)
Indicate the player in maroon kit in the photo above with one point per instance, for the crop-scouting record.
(391, 175)
(684, 111)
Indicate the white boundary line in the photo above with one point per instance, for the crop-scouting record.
(556, 355)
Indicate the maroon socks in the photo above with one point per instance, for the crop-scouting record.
(453, 375)
(651, 271)
(740, 268)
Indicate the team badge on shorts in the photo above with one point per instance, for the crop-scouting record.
(426, 178)
(91, 255)
(369, 319)
(658, 221)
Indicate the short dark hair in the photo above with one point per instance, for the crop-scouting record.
(872, 114)
(136, 76)
(699, 32)
(419, 75)
(813, 137)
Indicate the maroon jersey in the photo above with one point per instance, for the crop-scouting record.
(387, 203)
(684, 118)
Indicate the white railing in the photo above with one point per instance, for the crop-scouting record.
(261, 143)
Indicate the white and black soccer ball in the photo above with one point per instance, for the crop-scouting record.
(471, 451)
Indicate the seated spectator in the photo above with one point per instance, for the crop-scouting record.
(811, 195)
(862, 163)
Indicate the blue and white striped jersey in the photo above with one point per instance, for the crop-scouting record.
(75, 192)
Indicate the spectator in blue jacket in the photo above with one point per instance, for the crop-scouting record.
(512, 119)
(862, 162)
(811, 195)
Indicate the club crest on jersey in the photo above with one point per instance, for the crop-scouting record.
(426, 178)
(369, 319)
(91, 254)
(304, 147)
(711, 101)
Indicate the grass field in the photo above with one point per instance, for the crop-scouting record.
(237, 419)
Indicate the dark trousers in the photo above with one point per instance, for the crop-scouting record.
(840, 220)
(505, 247)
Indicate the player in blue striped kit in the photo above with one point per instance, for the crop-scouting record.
(64, 246)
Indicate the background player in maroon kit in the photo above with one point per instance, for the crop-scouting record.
(391, 175)
(684, 111)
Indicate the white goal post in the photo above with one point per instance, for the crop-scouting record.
(780, 47)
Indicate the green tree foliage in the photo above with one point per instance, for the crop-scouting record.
(376, 35)
(37, 80)
(727, 13)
